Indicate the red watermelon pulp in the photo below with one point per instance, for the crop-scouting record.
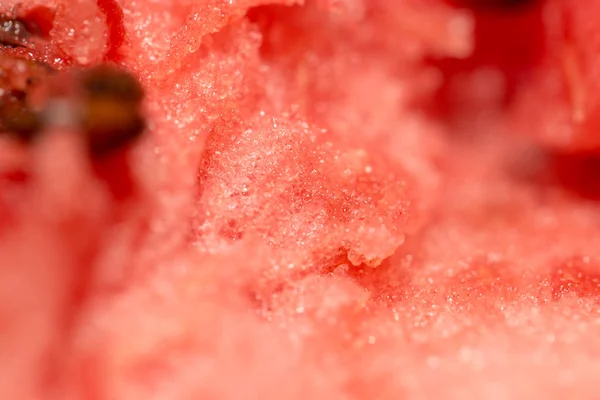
(333, 199)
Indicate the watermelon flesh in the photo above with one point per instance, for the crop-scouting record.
(297, 222)
(565, 78)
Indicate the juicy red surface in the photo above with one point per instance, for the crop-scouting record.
(294, 226)
(572, 278)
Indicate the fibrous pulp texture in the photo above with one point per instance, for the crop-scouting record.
(296, 224)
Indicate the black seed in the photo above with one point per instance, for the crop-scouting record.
(109, 82)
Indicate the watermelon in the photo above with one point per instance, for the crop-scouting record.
(567, 117)
(298, 219)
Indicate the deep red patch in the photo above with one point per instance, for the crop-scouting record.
(116, 29)
(578, 173)
(39, 21)
(510, 41)
(115, 171)
(12, 183)
(14, 177)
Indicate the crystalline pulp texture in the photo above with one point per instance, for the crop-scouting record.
(300, 220)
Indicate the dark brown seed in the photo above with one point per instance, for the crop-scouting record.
(107, 139)
(18, 77)
(103, 103)
(109, 82)
(19, 121)
(111, 117)
(111, 125)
